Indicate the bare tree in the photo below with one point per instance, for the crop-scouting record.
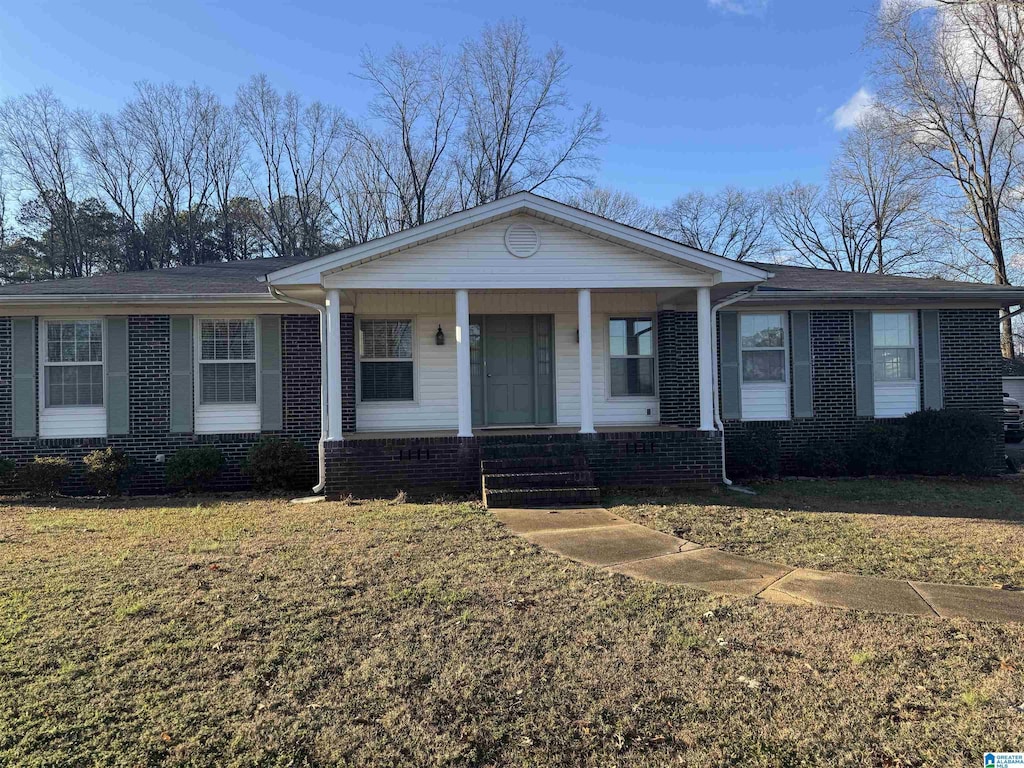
(298, 147)
(939, 87)
(120, 169)
(416, 104)
(37, 131)
(175, 125)
(224, 154)
(732, 223)
(884, 177)
(824, 228)
(616, 205)
(365, 203)
(518, 134)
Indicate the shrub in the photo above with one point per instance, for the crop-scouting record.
(950, 442)
(108, 470)
(7, 467)
(752, 452)
(877, 449)
(194, 468)
(276, 463)
(45, 475)
(821, 458)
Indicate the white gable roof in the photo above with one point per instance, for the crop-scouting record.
(624, 256)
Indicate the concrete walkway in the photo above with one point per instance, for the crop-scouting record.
(599, 538)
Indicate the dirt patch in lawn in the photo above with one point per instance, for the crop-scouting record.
(960, 532)
(256, 633)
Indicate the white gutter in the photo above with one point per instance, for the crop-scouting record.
(321, 310)
(716, 410)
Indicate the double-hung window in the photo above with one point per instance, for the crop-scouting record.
(894, 351)
(386, 360)
(894, 363)
(763, 348)
(227, 361)
(763, 366)
(631, 349)
(73, 363)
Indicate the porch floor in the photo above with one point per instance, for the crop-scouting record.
(513, 431)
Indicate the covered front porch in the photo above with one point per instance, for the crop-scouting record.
(470, 362)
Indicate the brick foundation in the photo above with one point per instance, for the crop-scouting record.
(432, 467)
(149, 407)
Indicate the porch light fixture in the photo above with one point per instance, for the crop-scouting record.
(439, 337)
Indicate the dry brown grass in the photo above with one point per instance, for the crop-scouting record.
(955, 531)
(253, 633)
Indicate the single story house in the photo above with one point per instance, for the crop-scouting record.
(1013, 378)
(549, 350)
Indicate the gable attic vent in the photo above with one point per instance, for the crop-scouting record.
(522, 240)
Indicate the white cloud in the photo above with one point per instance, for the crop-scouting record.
(740, 7)
(853, 111)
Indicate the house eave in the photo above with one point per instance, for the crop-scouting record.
(784, 296)
(138, 298)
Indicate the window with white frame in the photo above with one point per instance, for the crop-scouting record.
(631, 351)
(385, 360)
(73, 363)
(763, 348)
(894, 347)
(227, 361)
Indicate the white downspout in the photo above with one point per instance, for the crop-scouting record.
(321, 310)
(714, 368)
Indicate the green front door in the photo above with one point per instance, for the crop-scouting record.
(509, 369)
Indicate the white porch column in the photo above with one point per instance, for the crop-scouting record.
(334, 364)
(586, 363)
(705, 359)
(462, 363)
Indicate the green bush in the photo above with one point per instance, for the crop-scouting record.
(44, 475)
(752, 452)
(194, 469)
(878, 449)
(7, 468)
(821, 458)
(108, 470)
(277, 464)
(950, 442)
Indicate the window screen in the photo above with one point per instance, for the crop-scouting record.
(385, 360)
(763, 348)
(227, 361)
(631, 349)
(894, 352)
(73, 363)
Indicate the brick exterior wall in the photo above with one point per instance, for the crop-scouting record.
(348, 373)
(149, 407)
(678, 383)
(434, 467)
(970, 375)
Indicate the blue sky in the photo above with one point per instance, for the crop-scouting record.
(698, 94)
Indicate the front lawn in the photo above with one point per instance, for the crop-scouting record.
(233, 632)
(955, 531)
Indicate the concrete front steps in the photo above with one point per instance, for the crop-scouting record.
(536, 475)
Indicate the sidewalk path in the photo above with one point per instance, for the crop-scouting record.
(597, 537)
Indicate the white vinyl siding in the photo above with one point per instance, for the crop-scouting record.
(478, 258)
(224, 418)
(436, 400)
(764, 366)
(71, 420)
(895, 364)
(1014, 387)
